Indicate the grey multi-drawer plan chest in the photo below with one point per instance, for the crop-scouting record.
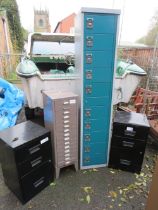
(61, 117)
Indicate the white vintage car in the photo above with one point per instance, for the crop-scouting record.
(49, 65)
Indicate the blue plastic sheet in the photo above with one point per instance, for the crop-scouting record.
(11, 102)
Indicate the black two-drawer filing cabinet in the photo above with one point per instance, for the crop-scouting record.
(26, 159)
(129, 137)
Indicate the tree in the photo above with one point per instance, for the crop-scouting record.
(25, 34)
(11, 8)
(149, 39)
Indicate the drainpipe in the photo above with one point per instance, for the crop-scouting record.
(7, 42)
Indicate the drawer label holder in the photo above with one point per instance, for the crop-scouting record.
(44, 140)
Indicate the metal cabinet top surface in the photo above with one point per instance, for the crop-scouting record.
(131, 118)
(100, 10)
(59, 95)
(22, 133)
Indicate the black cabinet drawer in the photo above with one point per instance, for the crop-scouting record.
(36, 148)
(130, 131)
(131, 168)
(36, 181)
(29, 165)
(126, 159)
(130, 143)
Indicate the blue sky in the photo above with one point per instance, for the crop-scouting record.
(136, 16)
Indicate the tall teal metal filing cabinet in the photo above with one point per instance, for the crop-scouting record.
(95, 46)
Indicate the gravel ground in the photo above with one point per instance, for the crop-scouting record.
(97, 189)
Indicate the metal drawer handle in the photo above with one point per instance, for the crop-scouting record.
(87, 126)
(66, 117)
(89, 41)
(67, 151)
(87, 160)
(38, 182)
(67, 155)
(88, 89)
(66, 108)
(89, 74)
(129, 132)
(125, 162)
(66, 102)
(89, 58)
(34, 149)
(66, 126)
(87, 137)
(66, 112)
(87, 112)
(36, 162)
(128, 144)
(89, 23)
(87, 149)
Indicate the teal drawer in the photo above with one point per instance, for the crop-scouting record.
(94, 153)
(96, 136)
(100, 23)
(95, 159)
(98, 58)
(97, 89)
(99, 42)
(98, 74)
(95, 124)
(96, 112)
(97, 148)
(97, 101)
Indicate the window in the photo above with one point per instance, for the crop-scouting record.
(50, 48)
(41, 23)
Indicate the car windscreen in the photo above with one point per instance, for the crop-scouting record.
(49, 48)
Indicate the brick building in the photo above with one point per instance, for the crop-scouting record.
(66, 25)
